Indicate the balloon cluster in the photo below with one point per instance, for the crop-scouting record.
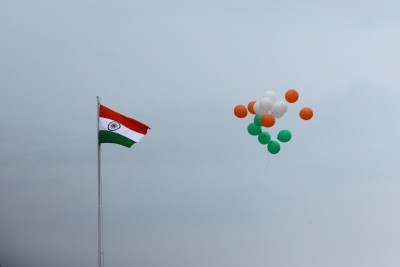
(266, 111)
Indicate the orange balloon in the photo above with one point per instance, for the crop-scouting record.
(240, 111)
(291, 95)
(267, 120)
(306, 113)
(250, 107)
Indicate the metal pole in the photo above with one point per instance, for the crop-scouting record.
(99, 195)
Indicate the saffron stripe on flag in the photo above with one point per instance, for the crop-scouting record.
(130, 123)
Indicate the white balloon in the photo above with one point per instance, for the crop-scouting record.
(271, 95)
(257, 108)
(266, 104)
(279, 108)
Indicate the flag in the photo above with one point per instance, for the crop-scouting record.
(119, 129)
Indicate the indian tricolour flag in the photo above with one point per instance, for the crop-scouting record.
(119, 129)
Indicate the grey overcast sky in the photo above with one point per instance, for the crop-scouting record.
(198, 190)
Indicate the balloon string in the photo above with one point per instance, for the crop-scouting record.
(268, 162)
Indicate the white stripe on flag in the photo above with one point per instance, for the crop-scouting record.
(128, 133)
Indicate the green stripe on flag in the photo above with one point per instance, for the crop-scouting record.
(115, 138)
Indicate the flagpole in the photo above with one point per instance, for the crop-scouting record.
(99, 195)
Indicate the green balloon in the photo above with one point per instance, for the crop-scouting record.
(264, 138)
(254, 129)
(257, 119)
(274, 147)
(284, 136)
